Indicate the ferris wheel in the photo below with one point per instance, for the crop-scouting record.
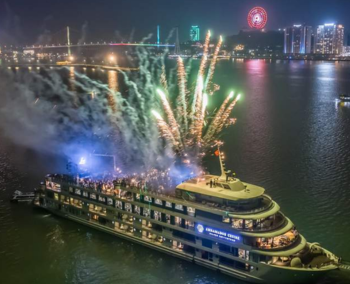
(257, 18)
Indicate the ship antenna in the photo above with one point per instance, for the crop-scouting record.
(222, 165)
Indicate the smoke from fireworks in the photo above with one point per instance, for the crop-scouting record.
(39, 110)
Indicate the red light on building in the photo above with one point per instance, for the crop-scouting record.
(257, 18)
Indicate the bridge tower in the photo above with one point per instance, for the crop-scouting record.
(68, 42)
(158, 35)
(177, 44)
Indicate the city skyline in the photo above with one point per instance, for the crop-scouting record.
(135, 19)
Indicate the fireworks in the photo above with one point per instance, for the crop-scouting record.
(188, 126)
(212, 65)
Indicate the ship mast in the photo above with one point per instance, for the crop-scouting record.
(224, 173)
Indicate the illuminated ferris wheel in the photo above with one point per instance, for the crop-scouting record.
(257, 18)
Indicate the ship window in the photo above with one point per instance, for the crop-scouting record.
(178, 221)
(191, 210)
(101, 199)
(225, 219)
(167, 218)
(92, 195)
(224, 248)
(158, 201)
(110, 201)
(85, 194)
(137, 209)
(71, 189)
(56, 196)
(147, 198)
(119, 204)
(78, 191)
(241, 253)
(179, 207)
(128, 207)
(168, 204)
(207, 243)
(137, 196)
(157, 215)
(146, 212)
(237, 223)
(248, 224)
(189, 225)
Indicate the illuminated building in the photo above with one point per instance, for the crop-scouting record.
(329, 39)
(297, 39)
(215, 221)
(239, 47)
(195, 33)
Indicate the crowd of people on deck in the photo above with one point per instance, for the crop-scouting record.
(154, 181)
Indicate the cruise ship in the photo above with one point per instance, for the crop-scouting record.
(219, 222)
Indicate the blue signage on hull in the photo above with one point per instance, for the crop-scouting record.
(217, 233)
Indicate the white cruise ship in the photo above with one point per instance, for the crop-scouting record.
(218, 222)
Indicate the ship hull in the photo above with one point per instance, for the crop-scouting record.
(263, 274)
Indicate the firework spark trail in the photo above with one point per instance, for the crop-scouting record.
(163, 79)
(164, 128)
(205, 54)
(174, 127)
(182, 102)
(212, 65)
(225, 116)
(209, 136)
(197, 100)
(201, 121)
(197, 119)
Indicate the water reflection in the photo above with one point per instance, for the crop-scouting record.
(258, 117)
(72, 79)
(113, 81)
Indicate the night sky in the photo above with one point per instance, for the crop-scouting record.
(29, 21)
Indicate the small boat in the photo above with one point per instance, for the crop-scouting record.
(20, 196)
(344, 97)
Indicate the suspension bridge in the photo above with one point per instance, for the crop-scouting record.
(62, 39)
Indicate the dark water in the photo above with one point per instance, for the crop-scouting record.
(291, 137)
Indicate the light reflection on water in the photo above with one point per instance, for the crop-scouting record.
(289, 138)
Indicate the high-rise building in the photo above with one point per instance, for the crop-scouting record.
(329, 39)
(195, 33)
(297, 39)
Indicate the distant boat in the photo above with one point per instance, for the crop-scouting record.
(20, 196)
(344, 97)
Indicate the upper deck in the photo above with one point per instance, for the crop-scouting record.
(265, 207)
(229, 189)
